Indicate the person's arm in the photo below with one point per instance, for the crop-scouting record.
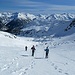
(31, 47)
(44, 49)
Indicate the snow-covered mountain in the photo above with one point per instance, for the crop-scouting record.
(26, 24)
(14, 60)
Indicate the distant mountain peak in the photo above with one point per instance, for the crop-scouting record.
(26, 24)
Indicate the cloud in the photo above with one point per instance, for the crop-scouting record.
(61, 7)
(44, 6)
(36, 7)
(28, 3)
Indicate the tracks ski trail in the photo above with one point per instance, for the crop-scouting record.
(62, 63)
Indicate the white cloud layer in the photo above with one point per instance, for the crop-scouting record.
(39, 7)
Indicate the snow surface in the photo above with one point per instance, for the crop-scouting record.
(14, 60)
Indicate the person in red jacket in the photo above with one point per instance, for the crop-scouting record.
(33, 50)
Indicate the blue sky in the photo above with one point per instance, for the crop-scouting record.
(38, 6)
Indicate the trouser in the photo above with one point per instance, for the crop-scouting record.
(46, 54)
(32, 52)
(26, 49)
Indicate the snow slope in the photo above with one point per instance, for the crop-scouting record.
(14, 60)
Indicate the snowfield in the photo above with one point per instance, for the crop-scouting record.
(14, 60)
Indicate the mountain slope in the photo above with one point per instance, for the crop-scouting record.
(37, 25)
(71, 25)
(14, 60)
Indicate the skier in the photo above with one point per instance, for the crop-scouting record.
(25, 48)
(33, 50)
(47, 52)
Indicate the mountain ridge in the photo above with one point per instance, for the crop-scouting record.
(25, 24)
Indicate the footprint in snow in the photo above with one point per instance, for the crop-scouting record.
(60, 71)
(33, 62)
(55, 67)
(66, 74)
(52, 64)
(66, 63)
(31, 66)
(26, 69)
(4, 68)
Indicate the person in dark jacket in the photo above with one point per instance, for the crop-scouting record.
(33, 50)
(25, 48)
(47, 52)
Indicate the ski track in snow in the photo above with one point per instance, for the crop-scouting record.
(57, 68)
(19, 71)
(5, 67)
(24, 70)
(38, 65)
(66, 57)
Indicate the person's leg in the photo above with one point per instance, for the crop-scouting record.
(32, 53)
(46, 54)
